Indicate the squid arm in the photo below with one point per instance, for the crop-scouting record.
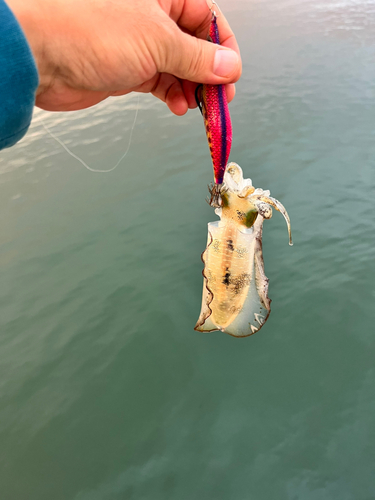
(279, 207)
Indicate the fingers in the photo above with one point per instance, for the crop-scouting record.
(196, 18)
(191, 58)
(187, 53)
(176, 100)
(197, 60)
(167, 88)
(178, 95)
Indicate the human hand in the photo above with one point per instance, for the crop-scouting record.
(87, 51)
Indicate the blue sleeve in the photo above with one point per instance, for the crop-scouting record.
(18, 80)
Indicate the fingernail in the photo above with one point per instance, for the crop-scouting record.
(226, 61)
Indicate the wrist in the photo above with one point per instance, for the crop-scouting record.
(30, 17)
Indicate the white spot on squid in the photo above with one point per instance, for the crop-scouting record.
(259, 318)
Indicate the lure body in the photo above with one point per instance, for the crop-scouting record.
(235, 287)
(212, 101)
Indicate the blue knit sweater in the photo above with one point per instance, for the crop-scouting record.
(18, 80)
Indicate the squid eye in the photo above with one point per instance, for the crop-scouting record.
(264, 210)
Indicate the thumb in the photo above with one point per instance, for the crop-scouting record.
(200, 61)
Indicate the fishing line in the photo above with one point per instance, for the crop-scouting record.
(80, 159)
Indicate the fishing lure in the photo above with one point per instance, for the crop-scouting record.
(212, 102)
(235, 287)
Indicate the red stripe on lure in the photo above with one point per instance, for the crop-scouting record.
(212, 101)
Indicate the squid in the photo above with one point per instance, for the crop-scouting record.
(235, 287)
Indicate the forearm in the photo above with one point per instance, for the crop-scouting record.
(18, 79)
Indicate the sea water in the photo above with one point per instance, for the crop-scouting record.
(106, 391)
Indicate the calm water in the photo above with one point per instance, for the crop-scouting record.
(107, 393)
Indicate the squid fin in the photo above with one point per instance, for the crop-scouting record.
(204, 323)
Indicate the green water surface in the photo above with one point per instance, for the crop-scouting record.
(106, 391)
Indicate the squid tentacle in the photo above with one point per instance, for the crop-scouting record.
(279, 207)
